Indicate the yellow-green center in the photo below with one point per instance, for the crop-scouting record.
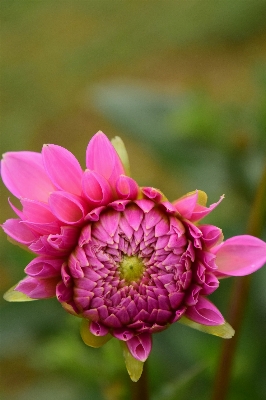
(131, 268)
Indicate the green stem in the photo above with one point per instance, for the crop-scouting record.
(239, 299)
(140, 389)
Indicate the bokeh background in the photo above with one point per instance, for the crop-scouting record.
(184, 84)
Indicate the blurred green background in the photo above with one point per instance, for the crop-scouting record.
(184, 84)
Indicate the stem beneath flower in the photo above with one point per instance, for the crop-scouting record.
(140, 389)
(239, 297)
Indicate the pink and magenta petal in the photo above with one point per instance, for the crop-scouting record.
(96, 189)
(18, 231)
(67, 207)
(63, 168)
(240, 255)
(37, 288)
(24, 175)
(200, 211)
(126, 188)
(205, 312)
(140, 346)
(186, 205)
(44, 267)
(102, 158)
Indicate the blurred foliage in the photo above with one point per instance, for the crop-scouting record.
(184, 84)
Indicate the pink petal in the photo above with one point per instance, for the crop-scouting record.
(201, 211)
(63, 168)
(44, 228)
(44, 267)
(63, 293)
(96, 189)
(140, 346)
(134, 216)
(211, 235)
(102, 158)
(36, 211)
(98, 329)
(126, 188)
(240, 255)
(24, 175)
(66, 239)
(204, 312)
(67, 207)
(18, 231)
(185, 205)
(153, 194)
(37, 288)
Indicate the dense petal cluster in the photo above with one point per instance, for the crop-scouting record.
(123, 258)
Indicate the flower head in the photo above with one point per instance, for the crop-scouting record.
(122, 257)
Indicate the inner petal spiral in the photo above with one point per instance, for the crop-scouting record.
(137, 268)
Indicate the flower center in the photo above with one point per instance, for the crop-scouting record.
(131, 268)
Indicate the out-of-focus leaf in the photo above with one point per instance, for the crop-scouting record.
(171, 390)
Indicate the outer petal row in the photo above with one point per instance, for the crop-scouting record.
(63, 168)
(102, 158)
(24, 175)
(240, 255)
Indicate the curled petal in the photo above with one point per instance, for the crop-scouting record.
(224, 330)
(18, 231)
(192, 206)
(89, 338)
(200, 211)
(38, 217)
(102, 158)
(67, 207)
(140, 346)
(186, 204)
(153, 194)
(211, 235)
(37, 288)
(126, 188)
(44, 228)
(36, 211)
(65, 240)
(240, 255)
(134, 366)
(205, 313)
(24, 175)
(63, 293)
(63, 168)
(119, 205)
(98, 329)
(123, 334)
(96, 188)
(44, 267)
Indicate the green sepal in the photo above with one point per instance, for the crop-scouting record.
(89, 339)
(120, 148)
(134, 367)
(14, 296)
(224, 331)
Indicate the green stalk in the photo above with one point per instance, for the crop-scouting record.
(140, 389)
(239, 298)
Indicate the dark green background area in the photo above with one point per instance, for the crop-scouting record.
(184, 84)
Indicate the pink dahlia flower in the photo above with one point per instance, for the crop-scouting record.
(120, 256)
